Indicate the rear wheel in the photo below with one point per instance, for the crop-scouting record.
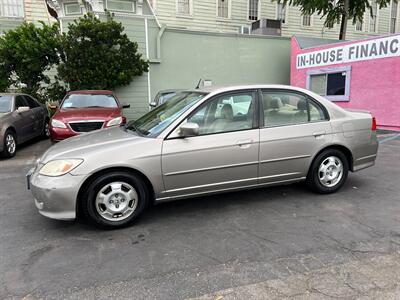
(115, 200)
(46, 129)
(9, 144)
(328, 172)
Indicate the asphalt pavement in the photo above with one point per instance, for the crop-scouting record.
(261, 244)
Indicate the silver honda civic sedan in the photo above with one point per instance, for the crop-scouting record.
(201, 142)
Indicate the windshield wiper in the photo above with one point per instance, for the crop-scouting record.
(131, 126)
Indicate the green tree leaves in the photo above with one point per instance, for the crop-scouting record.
(98, 55)
(93, 54)
(336, 10)
(26, 53)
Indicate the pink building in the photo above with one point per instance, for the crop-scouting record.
(362, 74)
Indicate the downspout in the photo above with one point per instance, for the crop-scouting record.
(158, 45)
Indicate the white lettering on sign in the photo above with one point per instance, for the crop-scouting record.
(379, 48)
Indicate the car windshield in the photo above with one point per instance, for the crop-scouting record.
(5, 104)
(89, 100)
(154, 122)
(165, 97)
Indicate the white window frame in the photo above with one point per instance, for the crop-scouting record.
(74, 14)
(376, 19)
(362, 26)
(326, 71)
(184, 14)
(306, 26)
(286, 13)
(258, 11)
(18, 4)
(121, 10)
(390, 17)
(229, 10)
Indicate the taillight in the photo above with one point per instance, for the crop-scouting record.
(373, 127)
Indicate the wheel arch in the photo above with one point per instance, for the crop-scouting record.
(345, 150)
(98, 173)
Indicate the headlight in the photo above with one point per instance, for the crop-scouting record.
(114, 122)
(59, 167)
(57, 124)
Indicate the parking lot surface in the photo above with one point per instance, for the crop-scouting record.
(268, 243)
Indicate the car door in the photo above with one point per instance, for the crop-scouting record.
(38, 115)
(294, 128)
(225, 153)
(23, 121)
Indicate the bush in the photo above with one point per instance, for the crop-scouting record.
(98, 55)
(26, 53)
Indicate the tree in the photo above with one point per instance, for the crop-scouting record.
(26, 53)
(98, 55)
(336, 10)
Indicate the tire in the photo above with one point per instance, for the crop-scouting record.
(107, 198)
(46, 130)
(328, 172)
(9, 144)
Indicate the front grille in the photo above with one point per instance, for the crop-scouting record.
(86, 126)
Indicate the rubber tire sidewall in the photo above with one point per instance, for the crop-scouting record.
(5, 152)
(89, 198)
(312, 177)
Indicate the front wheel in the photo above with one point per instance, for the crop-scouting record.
(328, 172)
(9, 144)
(115, 200)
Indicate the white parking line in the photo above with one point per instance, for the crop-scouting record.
(390, 138)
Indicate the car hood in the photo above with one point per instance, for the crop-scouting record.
(76, 114)
(3, 114)
(84, 145)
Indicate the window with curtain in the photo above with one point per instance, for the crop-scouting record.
(11, 8)
(373, 17)
(393, 16)
(306, 20)
(253, 10)
(281, 12)
(223, 8)
(183, 7)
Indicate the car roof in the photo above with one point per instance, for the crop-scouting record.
(91, 92)
(228, 88)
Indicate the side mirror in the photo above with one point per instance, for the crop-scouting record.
(22, 109)
(153, 104)
(126, 105)
(189, 129)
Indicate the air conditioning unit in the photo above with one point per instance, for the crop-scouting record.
(266, 27)
(245, 29)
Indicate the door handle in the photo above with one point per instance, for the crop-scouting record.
(244, 143)
(319, 133)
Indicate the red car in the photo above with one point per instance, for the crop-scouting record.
(84, 111)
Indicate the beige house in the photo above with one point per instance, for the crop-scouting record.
(238, 15)
(14, 12)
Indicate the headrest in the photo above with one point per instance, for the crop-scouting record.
(302, 104)
(275, 103)
(227, 111)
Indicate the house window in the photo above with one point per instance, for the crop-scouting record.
(359, 26)
(11, 8)
(306, 20)
(121, 5)
(253, 10)
(183, 7)
(373, 17)
(393, 16)
(281, 12)
(333, 84)
(223, 8)
(72, 9)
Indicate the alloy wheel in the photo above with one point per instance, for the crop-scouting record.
(330, 171)
(116, 201)
(11, 145)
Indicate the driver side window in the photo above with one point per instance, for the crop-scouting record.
(226, 113)
(20, 102)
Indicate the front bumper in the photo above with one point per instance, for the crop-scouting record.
(56, 197)
(59, 134)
